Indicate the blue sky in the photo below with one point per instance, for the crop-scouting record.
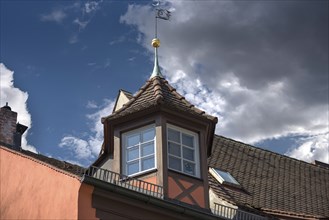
(260, 67)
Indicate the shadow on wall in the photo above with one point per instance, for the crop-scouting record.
(85, 209)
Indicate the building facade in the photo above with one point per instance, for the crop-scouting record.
(160, 160)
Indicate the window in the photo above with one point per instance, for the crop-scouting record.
(183, 150)
(139, 150)
(222, 176)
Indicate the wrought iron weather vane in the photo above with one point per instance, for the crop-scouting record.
(159, 14)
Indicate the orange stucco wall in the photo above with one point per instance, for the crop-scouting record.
(152, 179)
(185, 189)
(85, 210)
(30, 189)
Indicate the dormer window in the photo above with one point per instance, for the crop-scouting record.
(183, 150)
(138, 150)
(222, 176)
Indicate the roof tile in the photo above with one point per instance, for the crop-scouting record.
(272, 181)
(62, 165)
(157, 91)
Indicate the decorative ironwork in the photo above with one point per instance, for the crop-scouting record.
(232, 213)
(163, 14)
(125, 181)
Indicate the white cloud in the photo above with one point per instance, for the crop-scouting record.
(57, 16)
(97, 127)
(92, 105)
(79, 14)
(74, 39)
(80, 147)
(17, 100)
(131, 59)
(86, 149)
(107, 63)
(82, 24)
(117, 41)
(238, 61)
(92, 6)
(312, 148)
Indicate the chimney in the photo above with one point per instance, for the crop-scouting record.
(321, 164)
(10, 131)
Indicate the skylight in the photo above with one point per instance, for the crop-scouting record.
(222, 176)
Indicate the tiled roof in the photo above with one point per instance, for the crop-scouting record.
(157, 91)
(62, 165)
(270, 182)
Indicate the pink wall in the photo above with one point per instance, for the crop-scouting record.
(186, 189)
(31, 189)
(85, 210)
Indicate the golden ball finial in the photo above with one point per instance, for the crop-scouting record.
(155, 42)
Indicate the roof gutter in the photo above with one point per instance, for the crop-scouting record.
(175, 207)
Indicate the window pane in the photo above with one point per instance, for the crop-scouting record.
(174, 149)
(226, 176)
(173, 135)
(133, 167)
(132, 140)
(188, 153)
(133, 153)
(188, 140)
(148, 135)
(147, 163)
(189, 168)
(148, 149)
(175, 163)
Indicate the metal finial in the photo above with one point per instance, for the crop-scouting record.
(155, 43)
(156, 68)
(165, 15)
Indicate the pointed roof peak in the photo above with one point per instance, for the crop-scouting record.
(156, 68)
(158, 92)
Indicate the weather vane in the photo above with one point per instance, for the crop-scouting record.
(161, 13)
(165, 15)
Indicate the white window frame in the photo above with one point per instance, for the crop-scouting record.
(139, 158)
(196, 150)
(215, 172)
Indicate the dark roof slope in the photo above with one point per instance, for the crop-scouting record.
(271, 182)
(157, 91)
(62, 165)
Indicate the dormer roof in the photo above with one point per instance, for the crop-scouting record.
(122, 98)
(158, 92)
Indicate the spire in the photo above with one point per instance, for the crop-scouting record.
(156, 68)
(164, 15)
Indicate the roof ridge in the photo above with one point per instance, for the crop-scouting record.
(186, 102)
(36, 158)
(272, 152)
(126, 92)
(123, 90)
(177, 95)
(130, 102)
(157, 89)
(290, 213)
